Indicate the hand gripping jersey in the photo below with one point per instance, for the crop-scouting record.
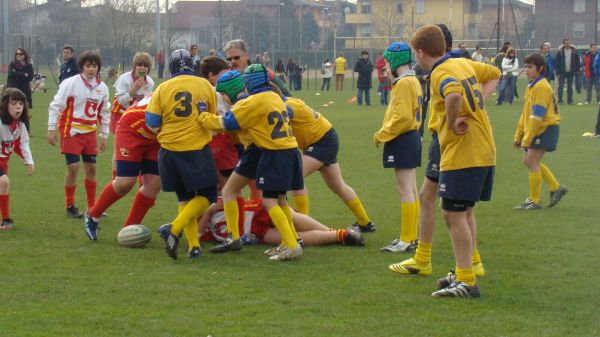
(476, 148)
(81, 105)
(403, 114)
(308, 126)
(539, 111)
(122, 99)
(12, 135)
(134, 117)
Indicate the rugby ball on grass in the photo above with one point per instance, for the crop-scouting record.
(134, 236)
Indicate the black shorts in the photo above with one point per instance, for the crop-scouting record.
(325, 149)
(403, 151)
(467, 185)
(187, 171)
(432, 171)
(248, 162)
(548, 140)
(280, 170)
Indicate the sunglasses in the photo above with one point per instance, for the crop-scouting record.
(19, 54)
(233, 58)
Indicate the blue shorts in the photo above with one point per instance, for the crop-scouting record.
(248, 162)
(133, 169)
(280, 171)
(547, 140)
(187, 172)
(403, 152)
(325, 149)
(432, 172)
(470, 184)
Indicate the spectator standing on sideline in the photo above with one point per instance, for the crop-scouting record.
(265, 59)
(379, 65)
(340, 69)
(20, 73)
(549, 68)
(280, 70)
(292, 73)
(160, 61)
(590, 77)
(195, 58)
(463, 49)
(69, 67)
(476, 56)
(567, 64)
(327, 72)
(510, 71)
(364, 68)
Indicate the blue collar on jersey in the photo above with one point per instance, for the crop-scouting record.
(259, 90)
(537, 79)
(440, 61)
(184, 72)
(239, 98)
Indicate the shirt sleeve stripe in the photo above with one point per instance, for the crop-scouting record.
(538, 111)
(229, 121)
(153, 120)
(444, 84)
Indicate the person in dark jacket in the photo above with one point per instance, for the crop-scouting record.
(291, 70)
(364, 68)
(69, 68)
(590, 76)
(567, 64)
(20, 73)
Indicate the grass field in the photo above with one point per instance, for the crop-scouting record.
(542, 267)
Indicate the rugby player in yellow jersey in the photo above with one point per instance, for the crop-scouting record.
(420, 264)
(266, 117)
(186, 165)
(468, 152)
(537, 132)
(318, 140)
(402, 142)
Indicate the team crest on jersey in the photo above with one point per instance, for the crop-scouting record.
(310, 149)
(261, 181)
(124, 152)
(202, 107)
(391, 159)
(98, 91)
(538, 141)
(442, 187)
(434, 167)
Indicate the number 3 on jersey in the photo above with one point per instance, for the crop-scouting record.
(279, 119)
(184, 99)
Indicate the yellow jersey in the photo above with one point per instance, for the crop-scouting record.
(476, 148)
(266, 118)
(177, 103)
(340, 65)
(308, 125)
(539, 111)
(403, 114)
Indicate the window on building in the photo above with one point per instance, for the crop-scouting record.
(474, 6)
(420, 6)
(365, 7)
(579, 6)
(399, 7)
(578, 29)
(365, 31)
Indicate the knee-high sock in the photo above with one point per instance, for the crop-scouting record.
(5, 205)
(301, 202)
(280, 221)
(423, 253)
(535, 186)
(90, 191)
(189, 213)
(549, 178)
(70, 195)
(359, 211)
(288, 214)
(476, 257)
(232, 217)
(408, 228)
(107, 197)
(139, 208)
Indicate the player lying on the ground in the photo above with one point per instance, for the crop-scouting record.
(257, 225)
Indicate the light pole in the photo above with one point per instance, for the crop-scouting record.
(279, 5)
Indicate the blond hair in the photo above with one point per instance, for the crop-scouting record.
(142, 58)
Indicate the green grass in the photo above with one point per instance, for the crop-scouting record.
(541, 266)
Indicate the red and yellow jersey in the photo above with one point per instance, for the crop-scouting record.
(255, 215)
(476, 148)
(135, 118)
(308, 126)
(403, 114)
(177, 103)
(539, 111)
(123, 99)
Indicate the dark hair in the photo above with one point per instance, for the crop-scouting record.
(15, 95)
(69, 47)
(22, 50)
(212, 64)
(364, 52)
(537, 60)
(89, 56)
(447, 36)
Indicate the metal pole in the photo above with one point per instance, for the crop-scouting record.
(278, 28)
(301, 18)
(498, 31)
(157, 27)
(596, 23)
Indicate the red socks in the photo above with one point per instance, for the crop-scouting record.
(108, 197)
(4, 203)
(90, 192)
(141, 205)
(70, 195)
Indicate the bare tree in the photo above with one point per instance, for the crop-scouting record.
(387, 22)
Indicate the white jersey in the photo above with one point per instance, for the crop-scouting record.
(122, 99)
(9, 134)
(79, 106)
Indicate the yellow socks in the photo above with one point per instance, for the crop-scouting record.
(535, 186)
(188, 231)
(232, 217)
(359, 211)
(280, 221)
(476, 256)
(301, 202)
(423, 254)
(408, 230)
(466, 275)
(187, 220)
(288, 214)
(549, 178)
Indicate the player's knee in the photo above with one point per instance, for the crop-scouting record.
(72, 169)
(4, 182)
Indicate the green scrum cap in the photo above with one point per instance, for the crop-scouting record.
(397, 54)
(230, 84)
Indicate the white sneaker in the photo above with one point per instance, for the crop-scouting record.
(399, 246)
(287, 254)
(274, 250)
